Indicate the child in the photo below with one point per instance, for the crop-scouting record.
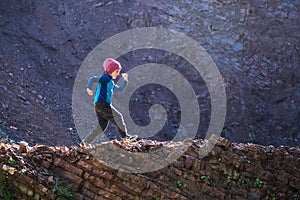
(103, 99)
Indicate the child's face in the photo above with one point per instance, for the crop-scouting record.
(115, 74)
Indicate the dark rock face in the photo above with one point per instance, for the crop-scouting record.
(255, 45)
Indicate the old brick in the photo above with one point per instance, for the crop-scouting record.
(43, 149)
(102, 173)
(121, 190)
(108, 195)
(133, 178)
(295, 183)
(150, 193)
(150, 190)
(46, 164)
(193, 151)
(68, 167)
(78, 196)
(197, 165)
(85, 165)
(98, 164)
(135, 188)
(214, 192)
(98, 197)
(73, 180)
(176, 171)
(91, 187)
(97, 181)
(282, 177)
(92, 179)
(87, 193)
(26, 180)
(23, 147)
(224, 143)
(254, 194)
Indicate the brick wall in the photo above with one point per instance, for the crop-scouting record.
(229, 171)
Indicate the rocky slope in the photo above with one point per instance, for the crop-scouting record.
(229, 171)
(255, 44)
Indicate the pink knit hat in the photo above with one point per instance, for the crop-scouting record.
(110, 65)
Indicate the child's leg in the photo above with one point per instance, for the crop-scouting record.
(111, 114)
(103, 123)
(118, 120)
(98, 130)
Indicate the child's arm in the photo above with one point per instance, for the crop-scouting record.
(123, 84)
(89, 84)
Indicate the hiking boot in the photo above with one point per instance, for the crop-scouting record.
(129, 138)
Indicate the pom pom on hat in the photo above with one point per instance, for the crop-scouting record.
(110, 65)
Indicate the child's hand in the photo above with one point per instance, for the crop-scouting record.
(125, 76)
(89, 91)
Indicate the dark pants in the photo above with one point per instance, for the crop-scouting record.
(107, 113)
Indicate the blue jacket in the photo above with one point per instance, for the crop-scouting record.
(105, 88)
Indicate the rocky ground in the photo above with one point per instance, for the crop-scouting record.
(255, 45)
(229, 171)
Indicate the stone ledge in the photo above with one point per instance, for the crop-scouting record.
(229, 171)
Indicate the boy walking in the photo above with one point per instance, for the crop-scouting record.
(103, 100)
